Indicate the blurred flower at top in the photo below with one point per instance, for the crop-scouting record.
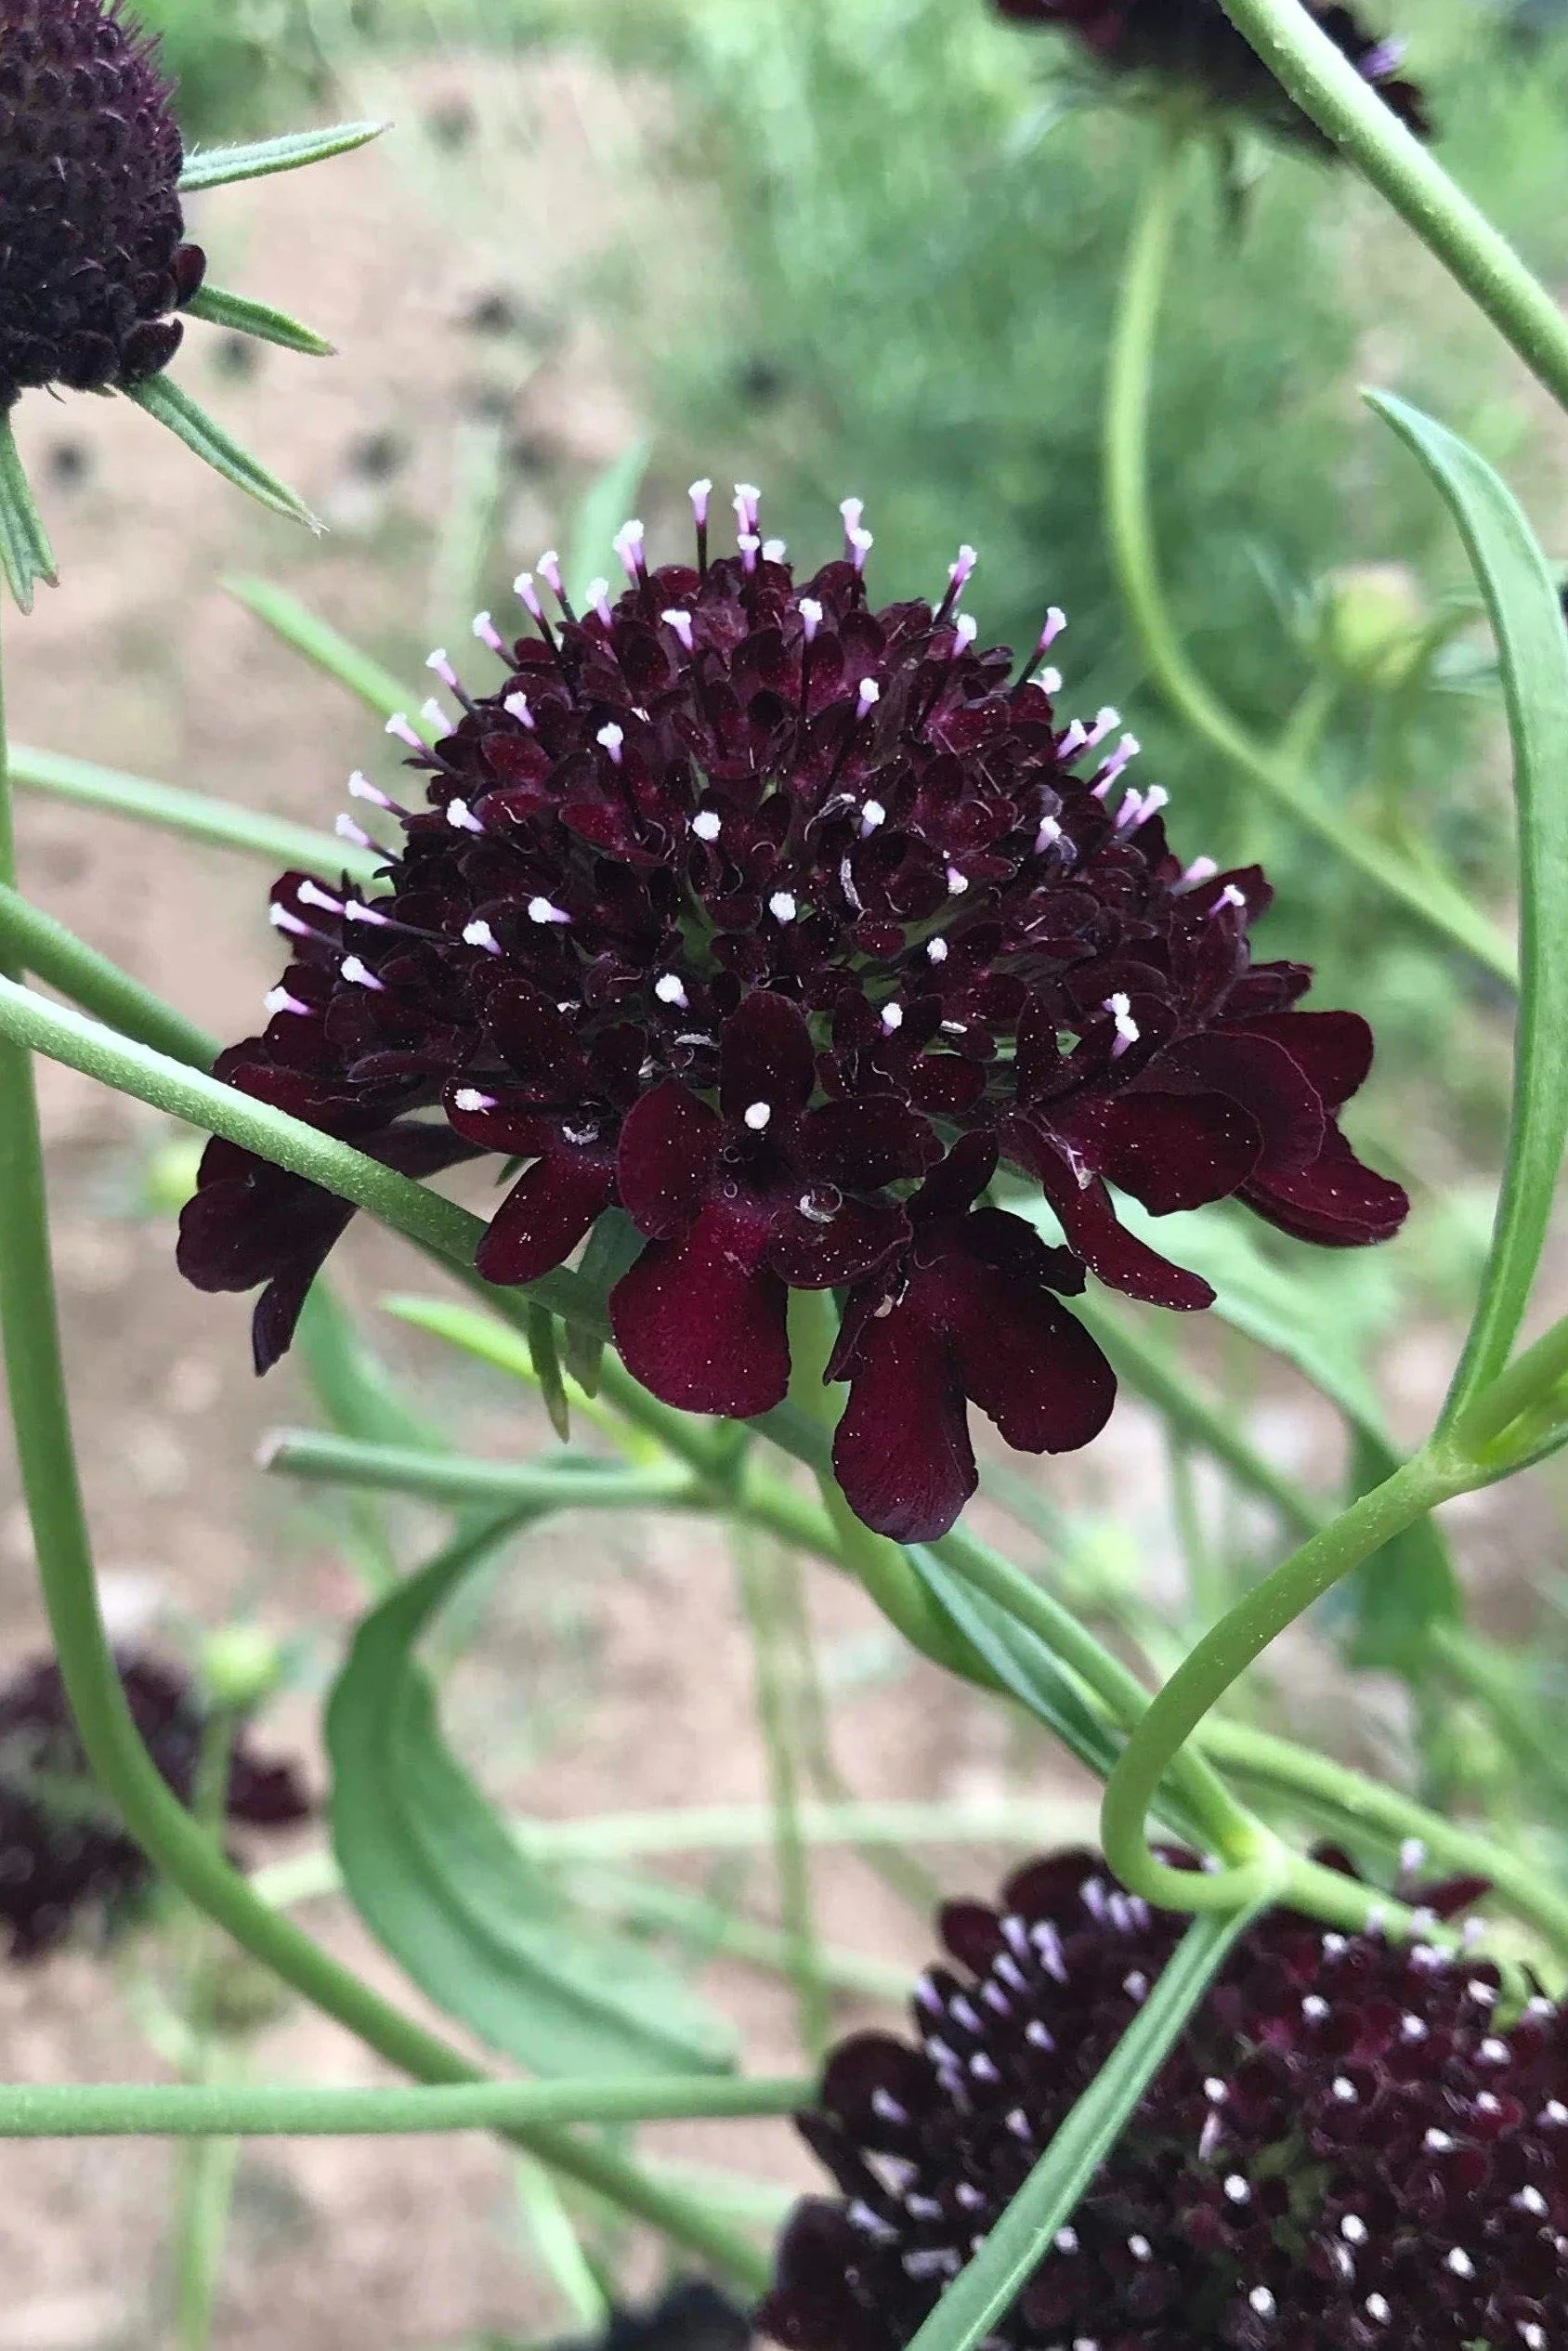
(65, 1862)
(93, 261)
(1356, 2141)
(791, 927)
(1194, 42)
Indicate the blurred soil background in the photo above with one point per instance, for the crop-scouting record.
(622, 245)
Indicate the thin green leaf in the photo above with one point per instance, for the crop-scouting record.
(191, 813)
(540, 1330)
(26, 557)
(259, 159)
(437, 1879)
(166, 402)
(567, 1482)
(613, 1246)
(606, 504)
(1024, 2237)
(469, 1328)
(324, 648)
(51, 953)
(243, 316)
(1526, 616)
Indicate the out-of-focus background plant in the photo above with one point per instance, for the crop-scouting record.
(835, 246)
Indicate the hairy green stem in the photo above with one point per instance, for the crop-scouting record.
(246, 2110)
(1160, 1739)
(1346, 108)
(1439, 907)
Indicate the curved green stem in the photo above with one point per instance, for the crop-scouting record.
(1344, 105)
(1273, 771)
(244, 2110)
(1225, 1654)
(153, 1816)
(35, 942)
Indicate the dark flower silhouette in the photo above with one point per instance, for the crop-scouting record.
(690, 2315)
(64, 1858)
(780, 923)
(93, 260)
(1193, 42)
(1356, 2142)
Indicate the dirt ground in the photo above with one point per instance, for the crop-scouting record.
(614, 1670)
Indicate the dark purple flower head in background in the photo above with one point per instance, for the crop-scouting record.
(92, 253)
(65, 1862)
(784, 925)
(690, 2315)
(1355, 2144)
(1194, 42)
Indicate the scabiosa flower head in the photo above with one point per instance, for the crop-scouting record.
(1193, 42)
(93, 259)
(64, 1858)
(783, 924)
(1355, 2142)
(691, 2315)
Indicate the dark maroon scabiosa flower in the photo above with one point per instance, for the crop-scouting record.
(781, 924)
(64, 1858)
(92, 259)
(1193, 42)
(1354, 2144)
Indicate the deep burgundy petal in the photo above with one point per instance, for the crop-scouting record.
(549, 1209)
(1333, 1048)
(812, 1250)
(1022, 1357)
(1256, 1071)
(1171, 1151)
(699, 1321)
(1338, 1202)
(901, 1451)
(1089, 1222)
(765, 1056)
(668, 1145)
(863, 1144)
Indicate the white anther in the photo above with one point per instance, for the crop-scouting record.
(1056, 622)
(359, 974)
(757, 1116)
(310, 893)
(774, 550)
(1354, 2229)
(1230, 895)
(1262, 2301)
(523, 587)
(281, 919)
(549, 570)
(1237, 2189)
(1531, 2201)
(436, 718)
(488, 634)
(873, 814)
(1483, 1994)
(399, 724)
(700, 493)
(957, 882)
(936, 950)
(1201, 869)
(1344, 2089)
(1106, 723)
(1555, 2114)
(782, 907)
(1126, 1029)
(277, 999)
(750, 547)
(1412, 2027)
(478, 934)
(1073, 739)
(359, 910)
(681, 622)
(442, 667)
(347, 830)
(1378, 2309)
(610, 738)
(959, 573)
(1494, 2052)
(811, 616)
(870, 692)
(707, 824)
(892, 1016)
(462, 818)
(1050, 681)
(1412, 1857)
(851, 509)
(1459, 2261)
(966, 628)
(1067, 2241)
(1139, 2248)
(516, 706)
(748, 498)
(628, 544)
(597, 595)
(469, 1098)
(1438, 2143)
(860, 545)
(1215, 2091)
(540, 911)
(1314, 2007)
(670, 990)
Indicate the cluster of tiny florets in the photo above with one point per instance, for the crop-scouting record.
(66, 1864)
(93, 260)
(782, 923)
(1358, 2144)
(1194, 43)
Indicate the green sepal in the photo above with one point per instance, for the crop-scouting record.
(241, 316)
(259, 159)
(25, 553)
(614, 1245)
(540, 1326)
(165, 400)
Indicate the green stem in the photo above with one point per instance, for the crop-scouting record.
(1160, 1741)
(243, 2111)
(1326, 87)
(207, 2168)
(35, 942)
(1437, 907)
(153, 1817)
(757, 1574)
(320, 1458)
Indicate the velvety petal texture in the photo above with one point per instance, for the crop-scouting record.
(1356, 2142)
(93, 261)
(1193, 42)
(783, 926)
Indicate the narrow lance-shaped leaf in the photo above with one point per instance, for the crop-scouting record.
(26, 557)
(259, 158)
(322, 646)
(439, 1881)
(1526, 616)
(171, 405)
(241, 316)
(546, 1359)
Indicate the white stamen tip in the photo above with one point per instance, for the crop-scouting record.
(597, 594)
(957, 882)
(361, 788)
(399, 725)
(462, 818)
(628, 543)
(681, 622)
(470, 1098)
(669, 991)
(436, 718)
(488, 634)
(311, 893)
(757, 1116)
(700, 493)
(891, 1017)
(860, 545)
(541, 910)
(478, 934)
(811, 615)
(442, 667)
(549, 569)
(277, 999)
(774, 550)
(359, 974)
(782, 907)
(1050, 681)
(707, 824)
(347, 830)
(1262, 2301)
(611, 738)
(873, 814)
(1056, 622)
(523, 586)
(966, 628)
(282, 920)
(516, 706)
(852, 509)
(936, 950)
(958, 573)
(1230, 895)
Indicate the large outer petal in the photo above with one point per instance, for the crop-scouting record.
(700, 1321)
(1027, 1363)
(766, 1055)
(1338, 1202)
(901, 1452)
(548, 1211)
(1333, 1048)
(1090, 1221)
(668, 1145)
(1171, 1151)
